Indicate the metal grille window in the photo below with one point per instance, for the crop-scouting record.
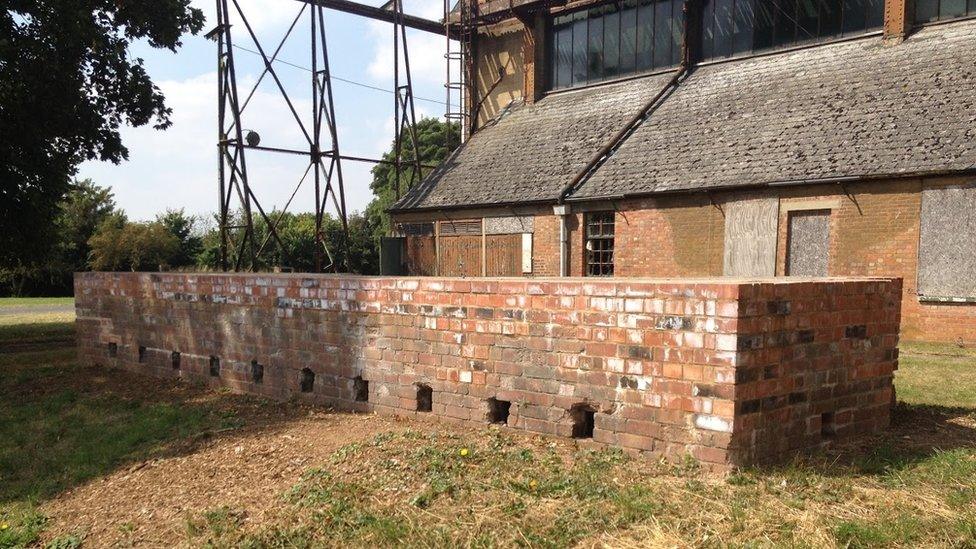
(740, 27)
(927, 11)
(599, 244)
(614, 40)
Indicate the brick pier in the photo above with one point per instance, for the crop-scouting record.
(731, 372)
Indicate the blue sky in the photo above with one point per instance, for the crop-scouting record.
(177, 168)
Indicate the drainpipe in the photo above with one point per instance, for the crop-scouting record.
(562, 210)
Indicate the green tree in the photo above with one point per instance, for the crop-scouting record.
(130, 246)
(87, 206)
(67, 84)
(432, 135)
(184, 228)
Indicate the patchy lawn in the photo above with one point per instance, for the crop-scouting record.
(35, 301)
(30, 314)
(99, 457)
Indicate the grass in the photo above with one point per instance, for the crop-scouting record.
(34, 301)
(913, 487)
(62, 424)
(940, 375)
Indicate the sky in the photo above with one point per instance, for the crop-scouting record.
(177, 168)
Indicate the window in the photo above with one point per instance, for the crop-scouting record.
(947, 244)
(740, 27)
(927, 11)
(808, 243)
(614, 40)
(599, 244)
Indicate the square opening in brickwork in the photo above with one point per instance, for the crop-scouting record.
(498, 411)
(425, 398)
(307, 380)
(214, 366)
(827, 427)
(142, 353)
(175, 358)
(257, 372)
(113, 349)
(584, 419)
(360, 388)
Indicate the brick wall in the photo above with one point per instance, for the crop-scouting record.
(674, 236)
(874, 231)
(729, 372)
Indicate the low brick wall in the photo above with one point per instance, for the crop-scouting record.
(730, 372)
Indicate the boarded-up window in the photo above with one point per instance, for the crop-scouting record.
(947, 244)
(808, 243)
(503, 255)
(460, 255)
(750, 236)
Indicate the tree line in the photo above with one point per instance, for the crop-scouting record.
(89, 231)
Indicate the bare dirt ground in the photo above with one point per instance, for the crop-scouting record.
(148, 504)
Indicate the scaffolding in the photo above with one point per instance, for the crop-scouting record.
(240, 247)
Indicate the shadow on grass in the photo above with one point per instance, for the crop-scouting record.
(62, 424)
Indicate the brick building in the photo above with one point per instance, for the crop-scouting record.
(716, 138)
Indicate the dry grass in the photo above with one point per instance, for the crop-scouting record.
(212, 469)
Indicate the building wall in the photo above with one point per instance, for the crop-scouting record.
(500, 52)
(720, 370)
(874, 231)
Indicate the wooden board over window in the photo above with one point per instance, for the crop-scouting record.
(808, 243)
(750, 236)
(947, 243)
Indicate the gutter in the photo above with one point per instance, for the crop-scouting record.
(781, 183)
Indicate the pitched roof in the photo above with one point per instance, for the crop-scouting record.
(835, 111)
(532, 151)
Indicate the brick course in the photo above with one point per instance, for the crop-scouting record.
(729, 372)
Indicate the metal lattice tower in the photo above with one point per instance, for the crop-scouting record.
(240, 207)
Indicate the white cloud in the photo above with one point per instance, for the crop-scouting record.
(177, 168)
(426, 50)
(261, 14)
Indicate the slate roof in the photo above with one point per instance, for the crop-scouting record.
(532, 151)
(850, 109)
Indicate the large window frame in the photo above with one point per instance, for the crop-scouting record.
(739, 28)
(611, 41)
(599, 237)
(934, 11)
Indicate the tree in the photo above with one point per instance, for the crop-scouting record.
(67, 84)
(86, 207)
(130, 246)
(432, 134)
(183, 227)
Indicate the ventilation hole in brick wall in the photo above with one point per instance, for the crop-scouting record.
(583, 421)
(361, 389)
(257, 372)
(175, 357)
(308, 380)
(113, 349)
(827, 427)
(425, 398)
(214, 366)
(142, 353)
(498, 411)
